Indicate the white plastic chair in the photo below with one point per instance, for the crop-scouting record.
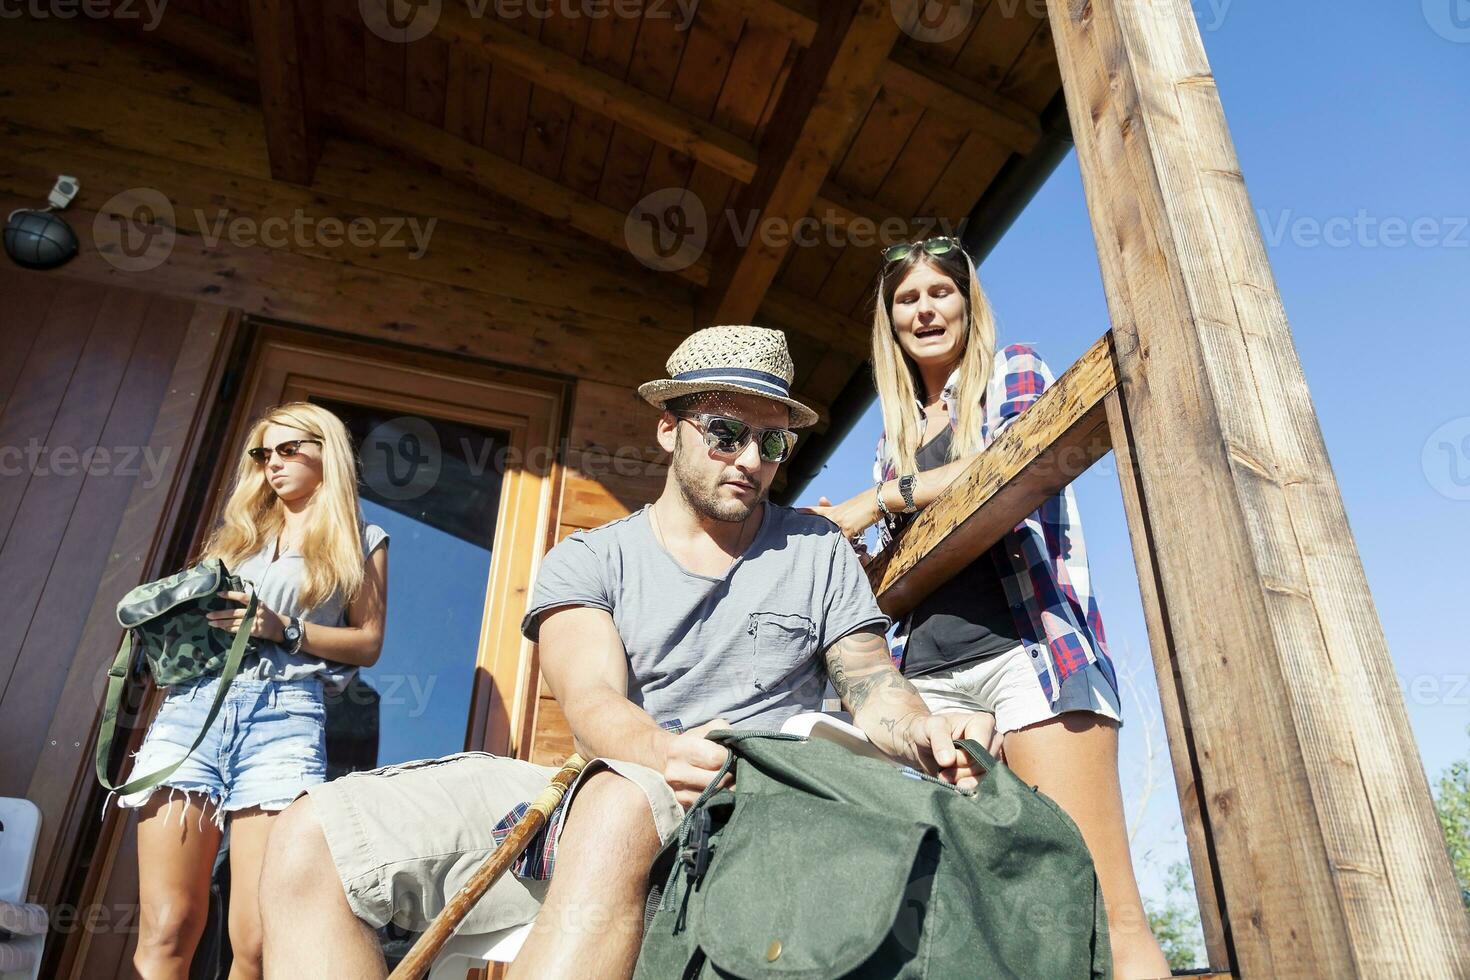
(20, 828)
(471, 952)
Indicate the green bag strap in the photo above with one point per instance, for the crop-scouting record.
(978, 754)
(117, 677)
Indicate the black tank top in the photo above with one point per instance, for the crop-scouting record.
(967, 618)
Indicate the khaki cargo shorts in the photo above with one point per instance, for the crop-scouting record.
(405, 838)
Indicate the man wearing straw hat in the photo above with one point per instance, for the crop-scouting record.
(709, 608)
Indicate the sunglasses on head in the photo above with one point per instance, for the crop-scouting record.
(729, 437)
(934, 246)
(262, 454)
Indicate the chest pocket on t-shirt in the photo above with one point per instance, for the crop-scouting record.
(780, 643)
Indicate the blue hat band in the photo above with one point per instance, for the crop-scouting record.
(759, 382)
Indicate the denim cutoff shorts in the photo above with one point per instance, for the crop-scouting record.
(266, 747)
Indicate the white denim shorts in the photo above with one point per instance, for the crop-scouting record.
(1007, 686)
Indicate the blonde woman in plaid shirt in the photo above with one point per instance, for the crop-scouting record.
(1017, 633)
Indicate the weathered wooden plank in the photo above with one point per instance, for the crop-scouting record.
(41, 387)
(1329, 855)
(1047, 447)
(22, 316)
(46, 509)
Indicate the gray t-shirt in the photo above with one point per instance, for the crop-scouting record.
(279, 585)
(747, 645)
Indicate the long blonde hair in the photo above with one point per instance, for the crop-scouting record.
(897, 377)
(254, 515)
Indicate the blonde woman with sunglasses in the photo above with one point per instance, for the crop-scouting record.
(291, 527)
(1017, 633)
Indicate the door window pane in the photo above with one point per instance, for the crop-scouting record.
(434, 485)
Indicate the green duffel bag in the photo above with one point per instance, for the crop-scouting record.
(823, 864)
(167, 621)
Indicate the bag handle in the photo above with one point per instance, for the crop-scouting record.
(978, 754)
(116, 678)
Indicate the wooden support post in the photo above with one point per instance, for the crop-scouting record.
(1329, 859)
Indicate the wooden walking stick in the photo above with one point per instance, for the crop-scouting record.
(418, 960)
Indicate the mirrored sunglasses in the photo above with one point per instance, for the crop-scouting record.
(729, 437)
(934, 246)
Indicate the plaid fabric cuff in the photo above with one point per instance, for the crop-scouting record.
(538, 860)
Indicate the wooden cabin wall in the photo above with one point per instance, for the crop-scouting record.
(101, 389)
(89, 350)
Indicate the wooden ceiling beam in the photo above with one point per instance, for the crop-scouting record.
(821, 105)
(288, 59)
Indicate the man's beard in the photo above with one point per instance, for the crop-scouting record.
(705, 499)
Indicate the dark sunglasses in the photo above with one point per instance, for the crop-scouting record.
(262, 454)
(729, 437)
(934, 246)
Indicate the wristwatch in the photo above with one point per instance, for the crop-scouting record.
(293, 634)
(906, 489)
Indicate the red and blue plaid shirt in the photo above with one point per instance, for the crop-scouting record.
(1048, 586)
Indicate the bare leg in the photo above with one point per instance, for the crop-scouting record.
(1073, 759)
(177, 844)
(591, 923)
(248, 832)
(309, 928)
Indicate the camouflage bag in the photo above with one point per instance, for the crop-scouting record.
(167, 620)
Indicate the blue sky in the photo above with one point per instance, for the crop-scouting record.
(1344, 118)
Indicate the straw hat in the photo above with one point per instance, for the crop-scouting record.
(739, 359)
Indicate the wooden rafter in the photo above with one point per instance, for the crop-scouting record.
(288, 62)
(824, 100)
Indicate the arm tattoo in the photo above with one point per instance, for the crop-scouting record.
(862, 671)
